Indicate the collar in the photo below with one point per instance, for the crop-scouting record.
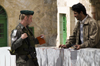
(82, 22)
(21, 25)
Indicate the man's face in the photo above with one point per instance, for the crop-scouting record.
(77, 15)
(29, 19)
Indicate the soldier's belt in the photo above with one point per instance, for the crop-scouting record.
(29, 56)
(34, 59)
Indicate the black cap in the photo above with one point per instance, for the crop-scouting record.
(27, 12)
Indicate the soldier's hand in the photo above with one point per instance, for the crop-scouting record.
(42, 36)
(24, 35)
(62, 46)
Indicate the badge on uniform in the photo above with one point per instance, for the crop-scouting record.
(14, 33)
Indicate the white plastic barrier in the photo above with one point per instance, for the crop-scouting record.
(5, 58)
(56, 57)
(68, 57)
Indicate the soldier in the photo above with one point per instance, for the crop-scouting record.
(85, 33)
(23, 41)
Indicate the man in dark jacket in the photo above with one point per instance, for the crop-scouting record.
(23, 41)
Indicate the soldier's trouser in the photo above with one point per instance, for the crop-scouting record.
(28, 63)
(21, 62)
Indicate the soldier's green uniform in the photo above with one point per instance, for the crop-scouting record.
(24, 48)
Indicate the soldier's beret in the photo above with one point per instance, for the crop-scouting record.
(27, 12)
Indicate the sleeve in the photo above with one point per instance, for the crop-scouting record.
(16, 40)
(93, 31)
(72, 39)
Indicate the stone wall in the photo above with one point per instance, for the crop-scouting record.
(87, 5)
(44, 19)
(95, 4)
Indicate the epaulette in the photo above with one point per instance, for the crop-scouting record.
(19, 28)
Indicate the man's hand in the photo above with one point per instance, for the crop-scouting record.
(42, 36)
(24, 35)
(77, 47)
(62, 46)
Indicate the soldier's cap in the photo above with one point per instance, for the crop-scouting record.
(27, 12)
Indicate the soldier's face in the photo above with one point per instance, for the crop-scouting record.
(77, 15)
(29, 19)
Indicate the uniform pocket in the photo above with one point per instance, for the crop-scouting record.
(86, 33)
(20, 60)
